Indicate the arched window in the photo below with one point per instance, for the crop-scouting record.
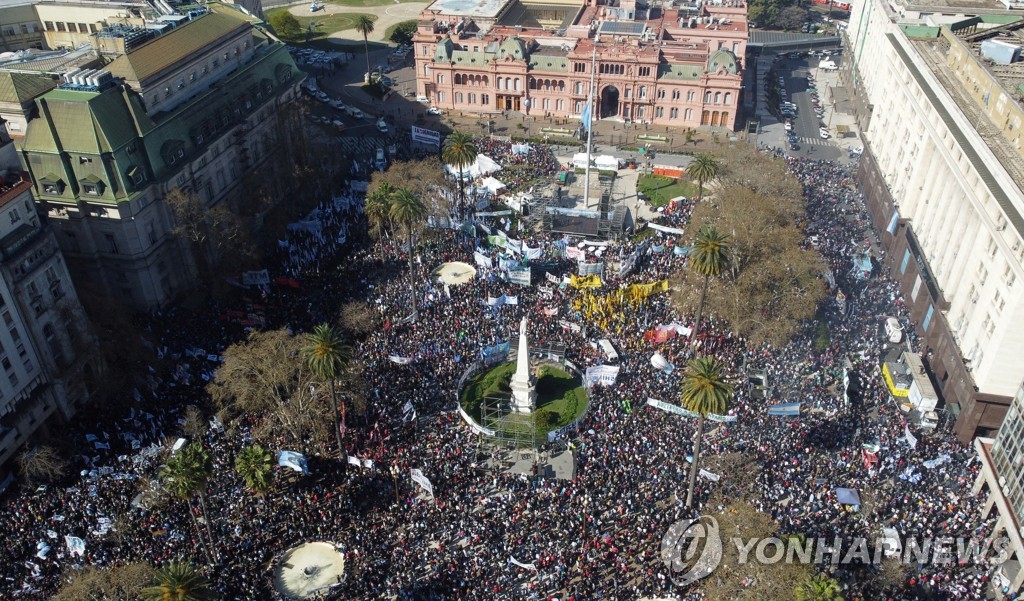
(533, 84)
(485, 81)
(688, 114)
(579, 87)
(728, 97)
(458, 97)
(458, 79)
(499, 83)
(724, 120)
(707, 98)
(718, 97)
(515, 84)
(642, 93)
(483, 99)
(690, 96)
(561, 86)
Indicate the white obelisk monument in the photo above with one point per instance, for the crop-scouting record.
(524, 395)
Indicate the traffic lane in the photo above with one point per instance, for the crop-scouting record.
(806, 123)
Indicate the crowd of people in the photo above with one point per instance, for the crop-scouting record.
(486, 533)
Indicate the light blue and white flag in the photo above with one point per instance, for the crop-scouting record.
(586, 115)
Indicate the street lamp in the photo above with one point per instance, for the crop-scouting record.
(394, 476)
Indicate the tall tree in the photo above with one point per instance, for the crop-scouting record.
(818, 587)
(704, 391)
(460, 151)
(703, 169)
(327, 356)
(408, 211)
(42, 463)
(185, 476)
(254, 465)
(377, 209)
(709, 257)
(364, 25)
(179, 581)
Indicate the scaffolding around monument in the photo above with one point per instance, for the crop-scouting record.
(511, 430)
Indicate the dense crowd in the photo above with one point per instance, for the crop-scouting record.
(596, 535)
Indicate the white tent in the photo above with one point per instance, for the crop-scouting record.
(607, 163)
(493, 186)
(484, 165)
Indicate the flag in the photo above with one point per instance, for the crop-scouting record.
(585, 116)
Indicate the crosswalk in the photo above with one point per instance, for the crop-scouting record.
(814, 142)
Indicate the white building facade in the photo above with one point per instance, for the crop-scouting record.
(950, 212)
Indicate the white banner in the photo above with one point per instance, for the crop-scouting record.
(521, 276)
(502, 300)
(604, 375)
(400, 360)
(483, 260)
(667, 230)
(911, 439)
(426, 136)
(590, 268)
(552, 278)
(709, 475)
(354, 461)
(575, 253)
(526, 566)
(422, 481)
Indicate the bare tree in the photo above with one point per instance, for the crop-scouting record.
(121, 582)
(42, 463)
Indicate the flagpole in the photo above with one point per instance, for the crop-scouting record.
(590, 118)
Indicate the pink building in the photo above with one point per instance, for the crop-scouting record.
(680, 67)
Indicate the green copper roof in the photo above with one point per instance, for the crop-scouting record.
(81, 122)
(19, 88)
(723, 58)
(540, 62)
(465, 57)
(679, 72)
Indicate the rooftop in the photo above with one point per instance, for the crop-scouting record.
(969, 6)
(487, 9)
(12, 187)
(175, 46)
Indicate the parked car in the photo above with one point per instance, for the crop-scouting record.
(354, 112)
(789, 126)
(434, 111)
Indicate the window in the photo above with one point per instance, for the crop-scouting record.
(728, 98)
(673, 113)
(579, 87)
(906, 259)
(998, 302)
(707, 98)
(60, 26)
(661, 94)
(659, 112)
(579, 67)
(688, 114)
(982, 274)
(15, 218)
(690, 96)
(458, 97)
(643, 92)
(83, 28)
(676, 94)
(111, 243)
(644, 71)
(91, 189)
(49, 25)
(440, 96)
(484, 99)
(440, 78)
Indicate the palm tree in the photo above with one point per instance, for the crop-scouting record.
(704, 391)
(185, 476)
(408, 211)
(179, 581)
(704, 168)
(460, 151)
(377, 209)
(364, 25)
(709, 257)
(253, 464)
(327, 355)
(818, 587)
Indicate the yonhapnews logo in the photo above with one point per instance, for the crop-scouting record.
(692, 550)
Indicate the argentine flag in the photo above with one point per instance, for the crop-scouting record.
(585, 116)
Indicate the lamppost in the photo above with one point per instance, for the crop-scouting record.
(394, 476)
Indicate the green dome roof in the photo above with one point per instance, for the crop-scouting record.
(723, 58)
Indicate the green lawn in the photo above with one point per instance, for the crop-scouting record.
(660, 189)
(323, 25)
(560, 397)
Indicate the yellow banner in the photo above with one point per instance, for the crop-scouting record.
(641, 291)
(588, 281)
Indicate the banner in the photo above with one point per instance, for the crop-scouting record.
(501, 300)
(520, 276)
(526, 566)
(604, 375)
(934, 463)
(722, 419)
(497, 241)
(911, 439)
(422, 481)
(667, 230)
(785, 409)
(401, 360)
(483, 260)
(497, 353)
(293, 460)
(354, 461)
(426, 136)
(532, 254)
(551, 278)
(577, 254)
(709, 475)
(569, 326)
(642, 291)
(590, 268)
(590, 281)
(76, 546)
(676, 409)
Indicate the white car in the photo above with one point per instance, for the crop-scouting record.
(789, 126)
(382, 127)
(434, 111)
(824, 135)
(422, 100)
